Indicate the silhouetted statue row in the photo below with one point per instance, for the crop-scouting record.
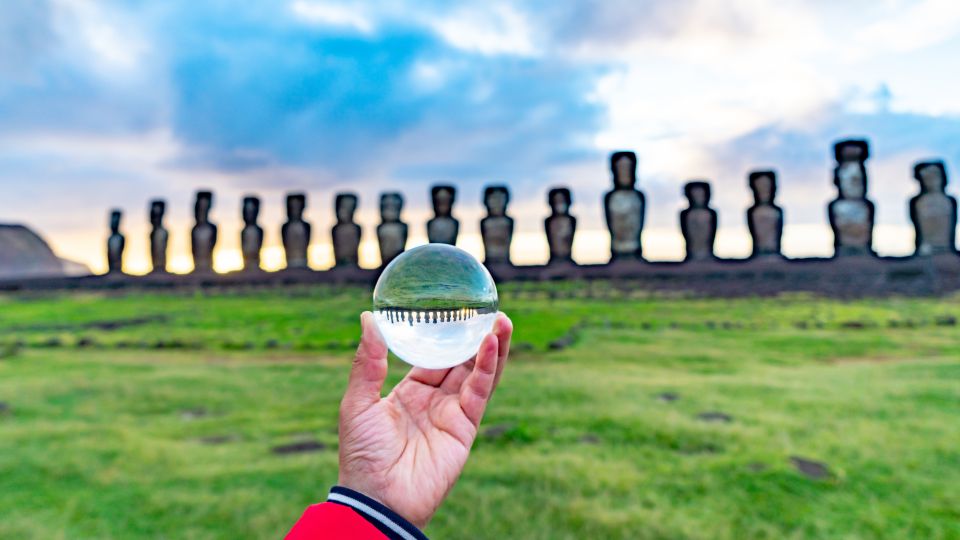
(851, 214)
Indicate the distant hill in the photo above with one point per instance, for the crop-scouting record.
(24, 254)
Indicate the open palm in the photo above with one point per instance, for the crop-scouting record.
(407, 450)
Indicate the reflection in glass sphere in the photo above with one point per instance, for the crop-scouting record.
(434, 304)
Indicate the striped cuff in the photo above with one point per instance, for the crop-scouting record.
(386, 520)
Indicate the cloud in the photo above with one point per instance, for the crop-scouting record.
(26, 35)
(487, 29)
(914, 26)
(356, 106)
(335, 15)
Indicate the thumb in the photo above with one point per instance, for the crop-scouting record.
(368, 371)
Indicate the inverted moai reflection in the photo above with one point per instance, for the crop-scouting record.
(251, 237)
(560, 226)
(296, 232)
(203, 237)
(624, 208)
(497, 227)
(443, 228)
(391, 232)
(158, 236)
(698, 222)
(933, 212)
(346, 233)
(851, 213)
(765, 218)
(399, 315)
(115, 244)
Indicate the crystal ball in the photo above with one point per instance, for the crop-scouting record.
(434, 304)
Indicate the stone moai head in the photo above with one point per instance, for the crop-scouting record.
(443, 197)
(346, 206)
(296, 202)
(391, 204)
(764, 187)
(251, 210)
(157, 209)
(496, 198)
(850, 175)
(932, 176)
(623, 165)
(697, 193)
(560, 200)
(115, 221)
(202, 207)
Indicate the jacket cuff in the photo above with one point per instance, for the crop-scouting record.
(384, 519)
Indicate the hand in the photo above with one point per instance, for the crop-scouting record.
(407, 450)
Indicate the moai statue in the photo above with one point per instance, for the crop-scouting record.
(698, 222)
(560, 226)
(251, 237)
(851, 213)
(764, 218)
(346, 233)
(624, 207)
(296, 232)
(203, 237)
(115, 244)
(158, 236)
(443, 228)
(391, 232)
(933, 212)
(497, 228)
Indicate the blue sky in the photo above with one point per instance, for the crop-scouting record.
(107, 104)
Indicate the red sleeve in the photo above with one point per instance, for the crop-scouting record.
(332, 521)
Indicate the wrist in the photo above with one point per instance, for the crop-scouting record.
(384, 518)
(378, 492)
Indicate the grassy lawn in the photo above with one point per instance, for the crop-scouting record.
(171, 416)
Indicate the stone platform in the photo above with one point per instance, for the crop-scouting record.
(840, 277)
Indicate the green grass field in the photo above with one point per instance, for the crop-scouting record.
(159, 416)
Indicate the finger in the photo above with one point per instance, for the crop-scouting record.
(503, 329)
(369, 368)
(477, 388)
(454, 380)
(429, 377)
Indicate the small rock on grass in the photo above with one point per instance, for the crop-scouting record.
(217, 439)
(853, 325)
(193, 414)
(715, 416)
(298, 447)
(4, 407)
(590, 438)
(668, 396)
(497, 430)
(946, 320)
(561, 343)
(815, 470)
(522, 346)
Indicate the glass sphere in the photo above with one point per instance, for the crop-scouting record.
(434, 304)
